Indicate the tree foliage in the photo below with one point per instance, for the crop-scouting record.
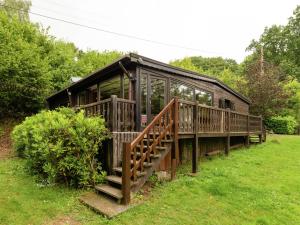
(281, 45)
(266, 92)
(17, 8)
(34, 64)
(23, 70)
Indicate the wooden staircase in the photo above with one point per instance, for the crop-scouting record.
(143, 155)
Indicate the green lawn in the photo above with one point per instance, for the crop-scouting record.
(260, 185)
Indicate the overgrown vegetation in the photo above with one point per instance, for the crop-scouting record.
(61, 146)
(250, 186)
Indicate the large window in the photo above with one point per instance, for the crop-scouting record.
(110, 87)
(182, 91)
(186, 92)
(203, 97)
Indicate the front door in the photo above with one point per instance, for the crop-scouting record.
(153, 97)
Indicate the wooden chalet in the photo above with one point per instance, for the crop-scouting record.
(159, 116)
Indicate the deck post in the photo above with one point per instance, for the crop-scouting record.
(248, 133)
(114, 111)
(195, 142)
(227, 145)
(175, 149)
(261, 130)
(126, 174)
(176, 130)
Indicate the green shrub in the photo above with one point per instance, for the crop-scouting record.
(282, 124)
(61, 146)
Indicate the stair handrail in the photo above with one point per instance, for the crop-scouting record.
(167, 124)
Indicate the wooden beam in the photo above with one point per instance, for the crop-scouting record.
(176, 121)
(126, 174)
(248, 133)
(138, 100)
(113, 111)
(195, 142)
(227, 145)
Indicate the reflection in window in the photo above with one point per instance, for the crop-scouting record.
(182, 91)
(126, 87)
(110, 87)
(81, 98)
(203, 97)
(157, 95)
(143, 94)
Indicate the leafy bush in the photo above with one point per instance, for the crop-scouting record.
(282, 124)
(61, 146)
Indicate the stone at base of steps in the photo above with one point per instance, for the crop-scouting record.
(103, 205)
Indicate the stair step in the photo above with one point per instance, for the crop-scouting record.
(117, 180)
(151, 155)
(164, 140)
(146, 164)
(114, 179)
(109, 190)
(139, 174)
(157, 147)
(103, 205)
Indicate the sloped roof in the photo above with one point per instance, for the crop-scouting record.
(133, 58)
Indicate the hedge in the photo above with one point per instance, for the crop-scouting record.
(282, 124)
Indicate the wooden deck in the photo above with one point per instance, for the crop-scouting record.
(143, 151)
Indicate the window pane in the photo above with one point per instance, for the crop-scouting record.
(110, 87)
(157, 95)
(126, 87)
(203, 97)
(143, 94)
(182, 91)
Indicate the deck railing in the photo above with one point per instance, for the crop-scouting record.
(118, 113)
(203, 119)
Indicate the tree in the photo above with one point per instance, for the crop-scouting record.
(18, 8)
(281, 45)
(266, 91)
(92, 60)
(24, 74)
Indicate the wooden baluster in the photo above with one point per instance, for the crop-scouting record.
(126, 174)
(142, 155)
(227, 146)
(135, 166)
(195, 142)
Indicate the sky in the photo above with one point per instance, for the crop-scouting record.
(187, 28)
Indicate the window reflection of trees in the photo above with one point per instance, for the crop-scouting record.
(187, 93)
(157, 95)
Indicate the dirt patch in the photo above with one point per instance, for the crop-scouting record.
(63, 220)
(5, 140)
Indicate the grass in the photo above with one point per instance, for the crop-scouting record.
(259, 185)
